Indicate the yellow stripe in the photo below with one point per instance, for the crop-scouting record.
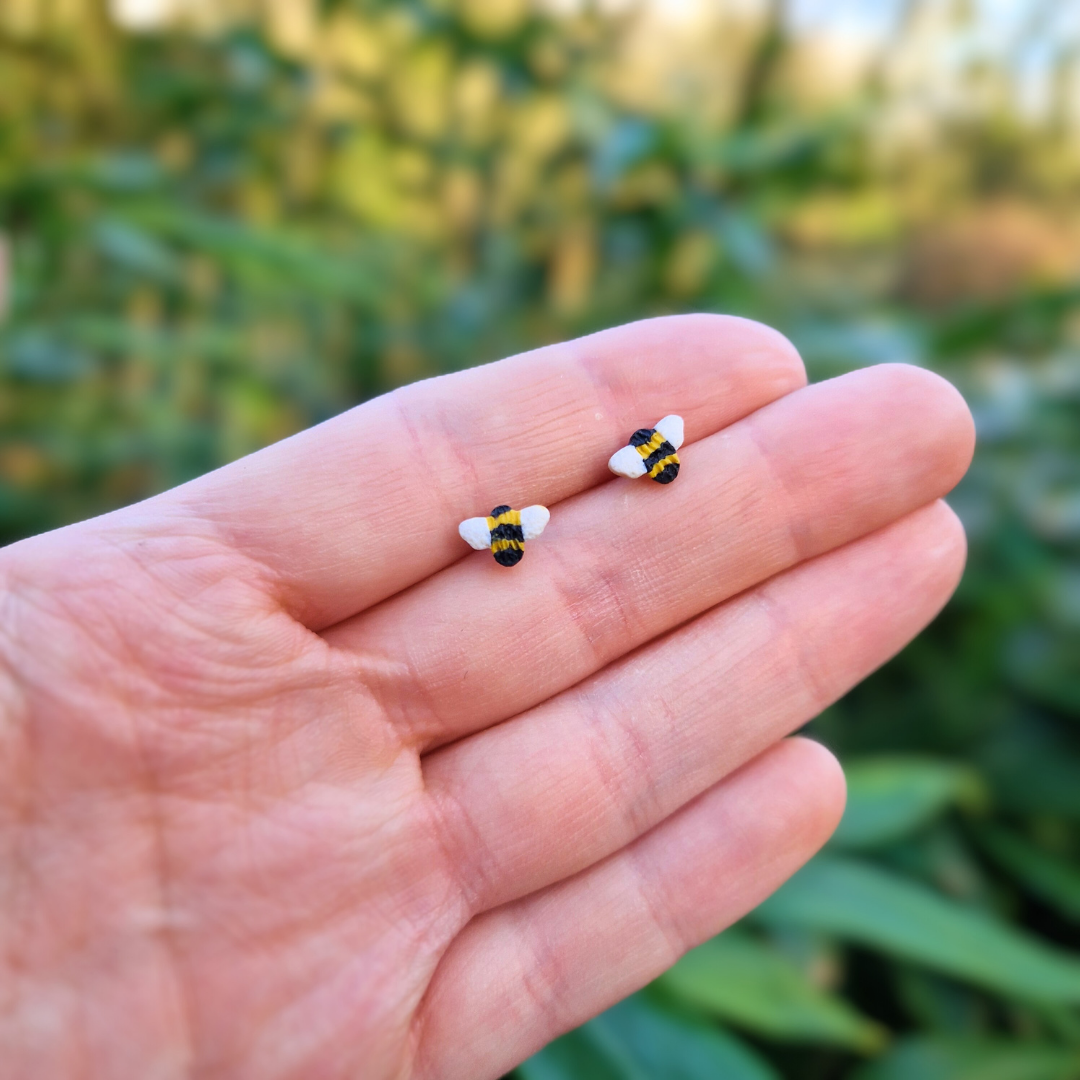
(502, 545)
(645, 449)
(662, 464)
(510, 517)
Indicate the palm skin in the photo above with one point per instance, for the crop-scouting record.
(294, 785)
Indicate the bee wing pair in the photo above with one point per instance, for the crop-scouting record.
(651, 452)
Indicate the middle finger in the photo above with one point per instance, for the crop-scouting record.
(623, 563)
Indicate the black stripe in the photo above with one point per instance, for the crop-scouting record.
(667, 473)
(508, 556)
(499, 510)
(659, 454)
(642, 436)
(507, 532)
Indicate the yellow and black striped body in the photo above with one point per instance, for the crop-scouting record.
(507, 539)
(661, 461)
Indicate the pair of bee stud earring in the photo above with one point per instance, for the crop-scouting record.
(651, 452)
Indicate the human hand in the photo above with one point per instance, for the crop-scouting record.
(293, 784)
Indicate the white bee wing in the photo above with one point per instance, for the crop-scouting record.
(627, 462)
(533, 520)
(671, 427)
(474, 532)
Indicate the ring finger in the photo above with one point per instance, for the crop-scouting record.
(548, 793)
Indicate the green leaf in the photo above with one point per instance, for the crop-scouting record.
(264, 258)
(863, 903)
(964, 1059)
(1046, 876)
(747, 982)
(40, 356)
(636, 1040)
(667, 1047)
(890, 797)
(129, 246)
(126, 172)
(577, 1054)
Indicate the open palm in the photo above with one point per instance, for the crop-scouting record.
(293, 784)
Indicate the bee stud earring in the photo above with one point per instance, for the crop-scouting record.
(505, 531)
(651, 451)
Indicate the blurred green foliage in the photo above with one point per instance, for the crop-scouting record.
(217, 236)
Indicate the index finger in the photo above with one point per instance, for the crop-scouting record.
(345, 514)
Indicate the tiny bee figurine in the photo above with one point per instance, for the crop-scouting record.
(652, 451)
(505, 531)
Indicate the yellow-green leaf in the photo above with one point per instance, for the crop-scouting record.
(889, 797)
(748, 983)
(860, 902)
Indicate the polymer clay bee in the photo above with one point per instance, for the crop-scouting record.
(505, 531)
(651, 452)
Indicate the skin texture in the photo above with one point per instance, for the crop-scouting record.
(293, 784)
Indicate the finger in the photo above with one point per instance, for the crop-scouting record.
(628, 561)
(352, 511)
(523, 974)
(542, 796)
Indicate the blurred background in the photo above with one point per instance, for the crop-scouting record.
(224, 220)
